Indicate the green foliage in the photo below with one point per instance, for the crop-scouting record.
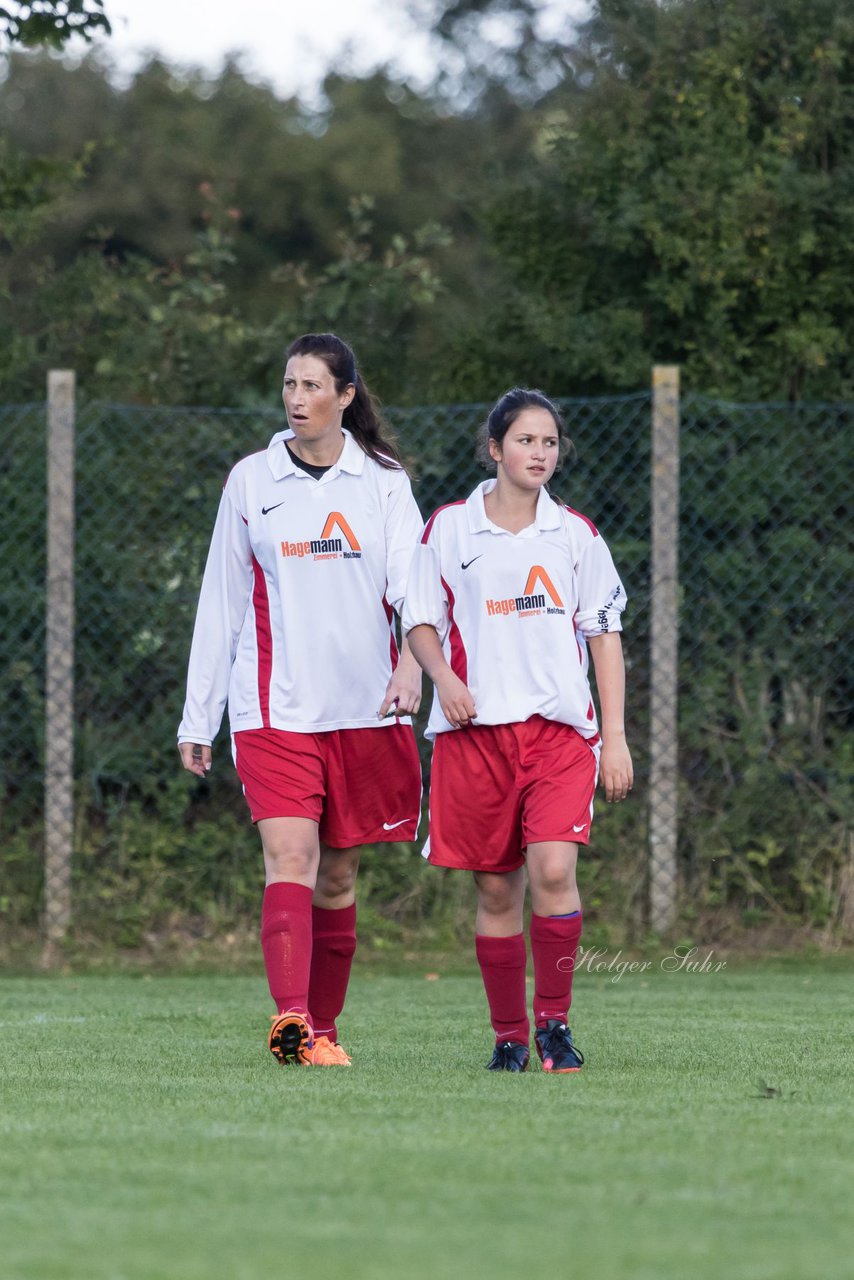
(692, 203)
(174, 155)
(136, 331)
(52, 22)
(677, 184)
(766, 693)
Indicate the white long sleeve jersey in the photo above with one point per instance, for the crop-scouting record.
(514, 611)
(295, 622)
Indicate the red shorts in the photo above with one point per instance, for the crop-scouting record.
(361, 786)
(496, 788)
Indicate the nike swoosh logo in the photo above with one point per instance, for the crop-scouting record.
(265, 511)
(466, 563)
(581, 828)
(390, 826)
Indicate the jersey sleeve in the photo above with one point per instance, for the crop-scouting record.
(402, 530)
(601, 594)
(223, 600)
(426, 599)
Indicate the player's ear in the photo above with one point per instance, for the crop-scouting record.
(494, 449)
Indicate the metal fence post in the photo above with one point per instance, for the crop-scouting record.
(663, 746)
(59, 699)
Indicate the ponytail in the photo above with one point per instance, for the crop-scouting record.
(364, 421)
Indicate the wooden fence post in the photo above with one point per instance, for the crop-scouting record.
(59, 700)
(664, 656)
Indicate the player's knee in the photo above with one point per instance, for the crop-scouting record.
(290, 862)
(336, 881)
(553, 878)
(495, 898)
(336, 875)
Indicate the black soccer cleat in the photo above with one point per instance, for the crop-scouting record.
(509, 1055)
(555, 1047)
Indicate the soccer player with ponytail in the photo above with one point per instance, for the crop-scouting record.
(295, 631)
(507, 593)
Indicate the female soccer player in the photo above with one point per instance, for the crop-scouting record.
(295, 630)
(507, 591)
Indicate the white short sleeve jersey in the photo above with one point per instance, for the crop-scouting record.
(295, 622)
(513, 611)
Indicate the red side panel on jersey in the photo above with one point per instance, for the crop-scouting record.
(590, 525)
(393, 650)
(459, 659)
(429, 525)
(263, 639)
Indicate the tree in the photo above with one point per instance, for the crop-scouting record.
(484, 43)
(139, 332)
(692, 202)
(287, 175)
(52, 22)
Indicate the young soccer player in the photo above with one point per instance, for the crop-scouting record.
(295, 630)
(508, 590)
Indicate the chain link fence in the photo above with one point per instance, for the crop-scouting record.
(765, 698)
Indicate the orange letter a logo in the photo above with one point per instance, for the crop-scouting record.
(538, 572)
(335, 517)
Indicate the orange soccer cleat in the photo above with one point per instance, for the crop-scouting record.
(326, 1054)
(290, 1039)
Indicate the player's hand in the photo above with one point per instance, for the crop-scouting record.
(615, 769)
(195, 757)
(455, 700)
(403, 695)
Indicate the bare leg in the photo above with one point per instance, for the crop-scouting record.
(500, 898)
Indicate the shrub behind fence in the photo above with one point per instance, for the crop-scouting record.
(765, 572)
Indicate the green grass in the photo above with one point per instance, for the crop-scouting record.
(146, 1132)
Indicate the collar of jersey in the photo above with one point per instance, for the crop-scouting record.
(547, 516)
(279, 461)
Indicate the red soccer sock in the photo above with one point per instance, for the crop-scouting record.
(286, 944)
(502, 964)
(554, 947)
(333, 945)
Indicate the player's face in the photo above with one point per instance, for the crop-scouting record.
(313, 406)
(528, 454)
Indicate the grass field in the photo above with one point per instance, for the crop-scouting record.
(146, 1132)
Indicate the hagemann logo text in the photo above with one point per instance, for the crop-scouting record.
(530, 602)
(324, 547)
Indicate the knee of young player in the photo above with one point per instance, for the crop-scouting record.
(552, 872)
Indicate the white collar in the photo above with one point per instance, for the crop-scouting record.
(546, 517)
(281, 464)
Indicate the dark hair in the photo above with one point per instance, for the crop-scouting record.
(362, 417)
(504, 413)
